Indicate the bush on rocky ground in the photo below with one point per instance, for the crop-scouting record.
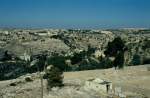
(54, 77)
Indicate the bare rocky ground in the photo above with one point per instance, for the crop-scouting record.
(134, 82)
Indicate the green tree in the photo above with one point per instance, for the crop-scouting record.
(146, 44)
(78, 57)
(58, 61)
(119, 60)
(106, 63)
(90, 50)
(116, 49)
(136, 59)
(113, 47)
(54, 77)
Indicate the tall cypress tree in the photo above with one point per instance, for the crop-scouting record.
(116, 49)
(119, 60)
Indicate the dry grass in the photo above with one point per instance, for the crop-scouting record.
(133, 80)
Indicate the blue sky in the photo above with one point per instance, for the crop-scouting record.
(75, 13)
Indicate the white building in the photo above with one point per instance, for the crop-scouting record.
(99, 53)
(98, 85)
(25, 57)
(106, 32)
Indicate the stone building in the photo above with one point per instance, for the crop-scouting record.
(25, 57)
(98, 85)
(99, 53)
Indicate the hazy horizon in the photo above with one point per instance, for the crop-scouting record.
(75, 14)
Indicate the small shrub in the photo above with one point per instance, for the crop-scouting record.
(146, 61)
(78, 57)
(13, 84)
(146, 44)
(136, 59)
(28, 79)
(106, 63)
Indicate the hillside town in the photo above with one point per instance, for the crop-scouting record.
(26, 53)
